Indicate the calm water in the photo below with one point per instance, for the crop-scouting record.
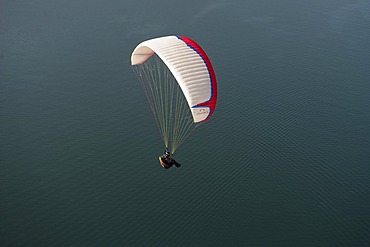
(285, 160)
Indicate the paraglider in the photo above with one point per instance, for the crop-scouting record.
(167, 161)
(180, 85)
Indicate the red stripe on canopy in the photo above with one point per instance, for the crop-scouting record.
(211, 103)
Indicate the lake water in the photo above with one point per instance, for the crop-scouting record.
(284, 161)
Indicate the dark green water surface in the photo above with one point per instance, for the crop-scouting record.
(284, 161)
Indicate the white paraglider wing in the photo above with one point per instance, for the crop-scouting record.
(191, 68)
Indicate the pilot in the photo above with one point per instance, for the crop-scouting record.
(166, 154)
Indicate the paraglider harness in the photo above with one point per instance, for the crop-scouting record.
(167, 161)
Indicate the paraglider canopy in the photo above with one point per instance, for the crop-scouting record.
(191, 68)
